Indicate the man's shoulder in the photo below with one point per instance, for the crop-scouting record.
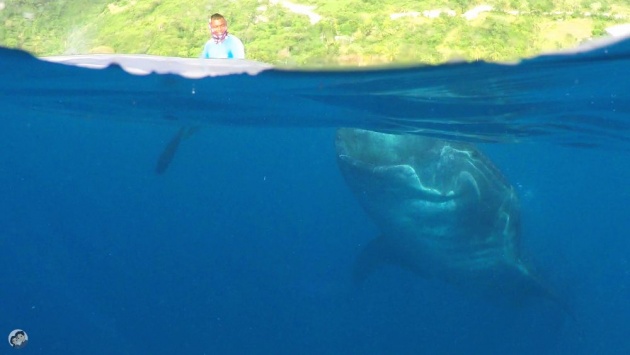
(234, 38)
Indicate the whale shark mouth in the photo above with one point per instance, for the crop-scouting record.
(401, 175)
(420, 167)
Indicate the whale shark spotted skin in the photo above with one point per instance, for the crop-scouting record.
(444, 210)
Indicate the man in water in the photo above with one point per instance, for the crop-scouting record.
(222, 44)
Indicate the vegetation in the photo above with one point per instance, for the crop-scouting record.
(355, 32)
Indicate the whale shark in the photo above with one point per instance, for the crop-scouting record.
(444, 210)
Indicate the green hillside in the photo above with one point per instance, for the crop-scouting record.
(354, 32)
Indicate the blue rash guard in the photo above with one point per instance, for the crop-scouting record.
(231, 48)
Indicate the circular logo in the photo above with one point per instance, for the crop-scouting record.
(18, 338)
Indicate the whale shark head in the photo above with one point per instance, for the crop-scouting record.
(444, 210)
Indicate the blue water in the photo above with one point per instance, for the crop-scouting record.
(246, 244)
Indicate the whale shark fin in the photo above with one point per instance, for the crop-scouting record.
(374, 254)
(554, 297)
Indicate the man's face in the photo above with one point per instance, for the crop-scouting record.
(217, 27)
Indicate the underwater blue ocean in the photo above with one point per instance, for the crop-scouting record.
(245, 239)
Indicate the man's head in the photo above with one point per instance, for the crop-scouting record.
(218, 25)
